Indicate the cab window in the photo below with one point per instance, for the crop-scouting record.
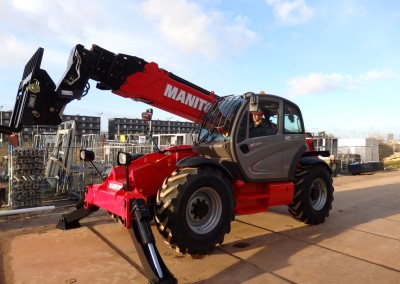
(264, 121)
(292, 119)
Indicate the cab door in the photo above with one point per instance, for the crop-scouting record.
(260, 157)
(293, 136)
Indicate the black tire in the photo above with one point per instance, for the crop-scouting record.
(194, 209)
(313, 194)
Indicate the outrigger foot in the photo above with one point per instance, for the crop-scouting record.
(71, 220)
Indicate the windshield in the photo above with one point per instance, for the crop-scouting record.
(219, 119)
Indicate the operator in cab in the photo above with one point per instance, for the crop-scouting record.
(258, 119)
(259, 126)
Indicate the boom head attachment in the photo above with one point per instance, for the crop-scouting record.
(31, 106)
(38, 101)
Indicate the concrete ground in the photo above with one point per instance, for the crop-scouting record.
(358, 243)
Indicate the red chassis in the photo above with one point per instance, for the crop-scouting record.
(147, 173)
(145, 177)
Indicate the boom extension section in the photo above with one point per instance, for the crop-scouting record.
(40, 102)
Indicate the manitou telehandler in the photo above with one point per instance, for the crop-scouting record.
(193, 192)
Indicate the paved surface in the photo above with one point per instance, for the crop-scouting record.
(359, 243)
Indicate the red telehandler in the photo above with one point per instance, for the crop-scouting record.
(193, 192)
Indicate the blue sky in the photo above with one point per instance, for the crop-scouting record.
(338, 60)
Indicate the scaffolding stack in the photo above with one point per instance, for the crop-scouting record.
(27, 167)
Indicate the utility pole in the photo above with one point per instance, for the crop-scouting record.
(100, 120)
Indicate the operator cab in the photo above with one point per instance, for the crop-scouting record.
(257, 137)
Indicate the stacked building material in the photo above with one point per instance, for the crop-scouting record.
(27, 172)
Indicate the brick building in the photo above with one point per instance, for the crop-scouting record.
(124, 126)
(84, 124)
(92, 125)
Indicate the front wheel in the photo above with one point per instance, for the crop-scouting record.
(313, 195)
(194, 209)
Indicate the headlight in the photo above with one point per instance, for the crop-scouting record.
(87, 155)
(123, 158)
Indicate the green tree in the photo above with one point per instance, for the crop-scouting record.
(385, 150)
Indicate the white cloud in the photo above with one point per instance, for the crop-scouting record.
(30, 6)
(25, 25)
(164, 31)
(379, 74)
(237, 35)
(291, 12)
(353, 10)
(10, 45)
(316, 83)
(322, 83)
(184, 24)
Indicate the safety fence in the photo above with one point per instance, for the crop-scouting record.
(342, 157)
(356, 154)
(30, 175)
(4, 187)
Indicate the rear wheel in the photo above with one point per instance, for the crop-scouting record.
(194, 209)
(313, 194)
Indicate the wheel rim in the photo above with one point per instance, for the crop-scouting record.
(204, 210)
(318, 194)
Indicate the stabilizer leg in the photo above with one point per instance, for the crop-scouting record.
(142, 236)
(71, 220)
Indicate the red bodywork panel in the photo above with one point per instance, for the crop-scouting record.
(146, 176)
(258, 197)
(310, 142)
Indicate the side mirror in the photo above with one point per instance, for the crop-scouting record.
(147, 115)
(86, 155)
(253, 102)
